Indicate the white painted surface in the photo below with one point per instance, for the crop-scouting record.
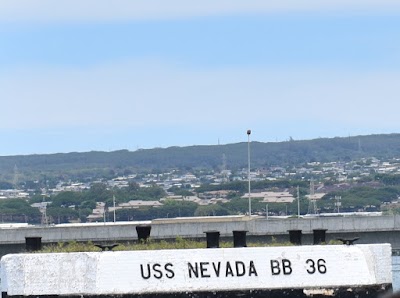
(120, 272)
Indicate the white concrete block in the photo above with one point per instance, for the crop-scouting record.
(107, 273)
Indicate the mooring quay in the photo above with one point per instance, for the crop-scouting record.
(369, 229)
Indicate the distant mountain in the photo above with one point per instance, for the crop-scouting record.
(207, 157)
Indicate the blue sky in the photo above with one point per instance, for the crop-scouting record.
(82, 76)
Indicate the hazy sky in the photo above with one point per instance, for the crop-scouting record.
(125, 74)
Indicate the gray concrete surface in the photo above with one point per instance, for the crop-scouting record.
(371, 229)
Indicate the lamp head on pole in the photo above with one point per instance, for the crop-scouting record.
(248, 131)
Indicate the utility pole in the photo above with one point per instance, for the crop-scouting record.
(104, 213)
(114, 207)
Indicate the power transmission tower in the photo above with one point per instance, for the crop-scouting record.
(338, 203)
(44, 220)
(312, 206)
(16, 177)
(224, 170)
(298, 202)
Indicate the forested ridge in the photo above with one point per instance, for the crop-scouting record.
(372, 192)
(291, 152)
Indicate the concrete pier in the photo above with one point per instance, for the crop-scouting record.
(371, 229)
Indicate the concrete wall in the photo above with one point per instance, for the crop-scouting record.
(374, 229)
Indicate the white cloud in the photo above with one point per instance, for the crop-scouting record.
(105, 10)
(133, 94)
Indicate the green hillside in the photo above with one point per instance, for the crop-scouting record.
(201, 157)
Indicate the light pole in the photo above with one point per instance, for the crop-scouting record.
(114, 207)
(248, 170)
(298, 202)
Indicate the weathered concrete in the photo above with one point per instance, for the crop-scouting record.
(317, 269)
